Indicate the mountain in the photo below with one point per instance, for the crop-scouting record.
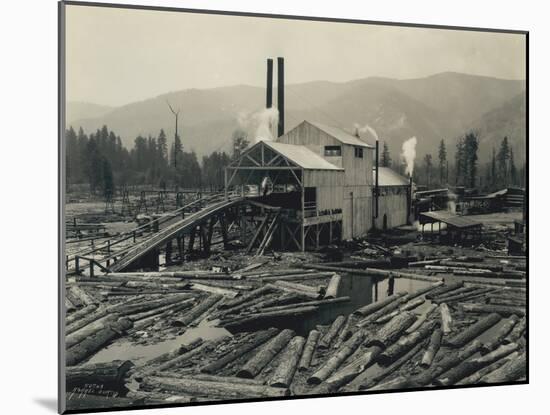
(442, 106)
(509, 120)
(77, 110)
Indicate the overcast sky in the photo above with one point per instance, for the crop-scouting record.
(118, 56)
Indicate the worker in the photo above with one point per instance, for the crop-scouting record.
(264, 186)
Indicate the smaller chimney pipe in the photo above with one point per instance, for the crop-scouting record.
(269, 88)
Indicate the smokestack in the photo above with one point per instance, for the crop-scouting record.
(281, 95)
(409, 200)
(376, 188)
(269, 88)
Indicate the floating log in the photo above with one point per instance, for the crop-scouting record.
(127, 309)
(84, 321)
(363, 381)
(309, 350)
(267, 352)
(69, 306)
(384, 311)
(444, 289)
(184, 348)
(82, 295)
(175, 306)
(213, 389)
(345, 374)
(372, 307)
(155, 317)
(83, 312)
(447, 362)
(498, 338)
(512, 370)
(337, 358)
(277, 300)
(332, 332)
(108, 373)
(503, 310)
(253, 341)
(516, 332)
(215, 290)
(443, 298)
(333, 285)
(93, 343)
(433, 347)
(474, 265)
(406, 343)
(268, 288)
(471, 332)
(370, 272)
(423, 291)
(302, 289)
(297, 277)
(421, 319)
(474, 378)
(214, 378)
(476, 293)
(178, 360)
(446, 318)
(252, 304)
(77, 336)
(471, 366)
(506, 301)
(284, 372)
(345, 332)
(195, 312)
(411, 305)
(426, 262)
(392, 330)
(262, 318)
(399, 382)
(307, 304)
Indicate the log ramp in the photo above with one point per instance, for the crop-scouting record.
(431, 337)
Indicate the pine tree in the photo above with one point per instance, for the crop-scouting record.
(513, 169)
(240, 142)
(459, 162)
(503, 157)
(386, 159)
(442, 162)
(428, 164)
(470, 155)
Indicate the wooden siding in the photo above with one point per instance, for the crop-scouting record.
(358, 170)
(393, 204)
(357, 211)
(329, 184)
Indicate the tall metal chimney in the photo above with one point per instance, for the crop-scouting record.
(269, 88)
(281, 95)
(376, 187)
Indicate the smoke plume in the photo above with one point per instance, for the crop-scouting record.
(367, 128)
(408, 154)
(260, 124)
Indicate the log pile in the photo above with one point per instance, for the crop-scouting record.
(450, 332)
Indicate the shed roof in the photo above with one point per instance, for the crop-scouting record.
(302, 156)
(449, 218)
(389, 177)
(340, 135)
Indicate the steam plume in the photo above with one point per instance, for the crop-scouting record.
(408, 153)
(259, 125)
(367, 128)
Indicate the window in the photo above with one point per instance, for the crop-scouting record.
(333, 151)
(359, 152)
